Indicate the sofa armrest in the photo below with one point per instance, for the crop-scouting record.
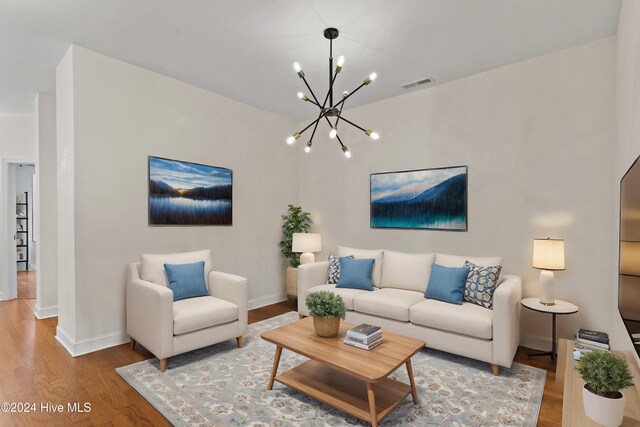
(150, 316)
(232, 288)
(506, 320)
(310, 275)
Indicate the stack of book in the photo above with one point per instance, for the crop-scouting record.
(588, 341)
(364, 336)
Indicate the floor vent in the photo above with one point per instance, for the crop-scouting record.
(418, 83)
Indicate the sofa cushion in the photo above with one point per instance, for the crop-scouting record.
(193, 314)
(366, 253)
(347, 294)
(356, 273)
(186, 280)
(481, 283)
(458, 261)
(466, 319)
(388, 302)
(447, 283)
(406, 271)
(152, 265)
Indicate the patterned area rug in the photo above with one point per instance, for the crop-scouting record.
(222, 385)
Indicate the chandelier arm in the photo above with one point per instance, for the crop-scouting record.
(339, 115)
(313, 102)
(314, 122)
(354, 125)
(310, 90)
(347, 97)
(314, 129)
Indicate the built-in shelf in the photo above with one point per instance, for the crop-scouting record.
(23, 248)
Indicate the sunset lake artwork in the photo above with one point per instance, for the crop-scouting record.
(184, 193)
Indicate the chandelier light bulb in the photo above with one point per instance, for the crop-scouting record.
(300, 95)
(340, 60)
(333, 133)
(293, 138)
(297, 67)
(307, 148)
(346, 152)
(373, 135)
(345, 94)
(371, 78)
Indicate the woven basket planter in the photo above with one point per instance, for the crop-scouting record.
(326, 327)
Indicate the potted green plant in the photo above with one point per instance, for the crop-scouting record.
(295, 221)
(327, 309)
(605, 376)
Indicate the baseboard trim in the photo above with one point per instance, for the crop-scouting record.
(536, 342)
(271, 299)
(45, 312)
(90, 345)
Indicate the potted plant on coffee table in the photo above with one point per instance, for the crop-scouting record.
(605, 376)
(327, 309)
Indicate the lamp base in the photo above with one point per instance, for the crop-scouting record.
(546, 288)
(307, 257)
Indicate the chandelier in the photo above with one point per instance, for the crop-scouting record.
(331, 110)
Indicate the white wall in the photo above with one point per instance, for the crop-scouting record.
(627, 142)
(537, 138)
(46, 222)
(17, 139)
(111, 116)
(24, 183)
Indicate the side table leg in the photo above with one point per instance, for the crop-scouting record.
(372, 405)
(414, 393)
(274, 370)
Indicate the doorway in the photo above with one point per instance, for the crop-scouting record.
(17, 233)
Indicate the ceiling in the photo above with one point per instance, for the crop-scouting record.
(244, 49)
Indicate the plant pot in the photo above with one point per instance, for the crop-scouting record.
(326, 327)
(292, 285)
(604, 411)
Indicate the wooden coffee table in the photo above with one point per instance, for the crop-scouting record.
(348, 378)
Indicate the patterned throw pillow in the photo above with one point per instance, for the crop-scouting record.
(334, 268)
(481, 284)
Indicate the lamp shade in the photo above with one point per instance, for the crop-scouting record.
(548, 254)
(630, 258)
(306, 242)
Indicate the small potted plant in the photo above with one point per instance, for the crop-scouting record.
(605, 375)
(327, 309)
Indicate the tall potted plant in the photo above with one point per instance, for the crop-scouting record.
(327, 309)
(295, 221)
(605, 376)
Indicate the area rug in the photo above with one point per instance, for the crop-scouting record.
(222, 385)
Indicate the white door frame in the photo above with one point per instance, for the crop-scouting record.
(8, 277)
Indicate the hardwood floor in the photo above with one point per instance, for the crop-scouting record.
(26, 284)
(34, 368)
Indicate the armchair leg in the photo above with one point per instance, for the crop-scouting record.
(495, 368)
(132, 344)
(239, 339)
(163, 364)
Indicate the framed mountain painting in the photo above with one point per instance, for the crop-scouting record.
(432, 199)
(185, 193)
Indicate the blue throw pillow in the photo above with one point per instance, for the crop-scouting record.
(447, 283)
(186, 280)
(355, 273)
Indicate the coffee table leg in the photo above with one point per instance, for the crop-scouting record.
(274, 371)
(372, 405)
(414, 393)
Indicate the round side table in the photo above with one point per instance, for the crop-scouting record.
(560, 307)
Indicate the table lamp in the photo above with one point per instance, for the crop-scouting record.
(630, 258)
(307, 243)
(548, 255)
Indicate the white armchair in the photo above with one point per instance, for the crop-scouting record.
(167, 328)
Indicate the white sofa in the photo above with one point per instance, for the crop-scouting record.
(166, 327)
(397, 304)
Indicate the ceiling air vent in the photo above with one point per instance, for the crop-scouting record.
(418, 83)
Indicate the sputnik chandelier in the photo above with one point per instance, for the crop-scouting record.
(331, 110)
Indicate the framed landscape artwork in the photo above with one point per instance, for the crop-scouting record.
(184, 193)
(434, 199)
